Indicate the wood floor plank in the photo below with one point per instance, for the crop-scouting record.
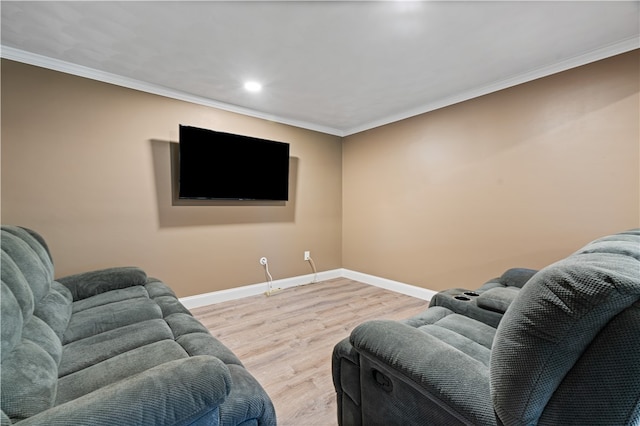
(286, 340)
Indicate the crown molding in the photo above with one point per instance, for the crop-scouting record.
(574, 62)
(86, 72)
(118, 80)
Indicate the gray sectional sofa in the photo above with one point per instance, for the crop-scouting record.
(110, 347)
(566, 351)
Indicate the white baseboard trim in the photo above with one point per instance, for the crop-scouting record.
(213, 297)
(398, 287)
(198, 300)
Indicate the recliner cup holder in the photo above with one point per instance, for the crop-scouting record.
(471, 293)
(461, 298)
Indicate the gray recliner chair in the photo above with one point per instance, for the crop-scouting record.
(566, 352)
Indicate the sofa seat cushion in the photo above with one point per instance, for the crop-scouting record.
(110, 316)
(94, 349)
(468, 336)
(117, 368)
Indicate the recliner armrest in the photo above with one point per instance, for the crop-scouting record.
(497, 299)
(457, 384)
(464, 302)
(87, 284)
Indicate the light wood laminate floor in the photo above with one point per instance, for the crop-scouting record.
(286, 340)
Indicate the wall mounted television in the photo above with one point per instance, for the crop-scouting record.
(222, 166)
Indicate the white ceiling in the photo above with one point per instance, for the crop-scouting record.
(337, 67)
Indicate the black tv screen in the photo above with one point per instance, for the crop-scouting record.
(224, 166)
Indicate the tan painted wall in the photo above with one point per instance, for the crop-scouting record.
(87, 165)
(520, 177)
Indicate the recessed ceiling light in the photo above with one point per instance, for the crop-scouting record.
(253, 86)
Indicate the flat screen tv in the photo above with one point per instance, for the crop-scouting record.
(223, 166)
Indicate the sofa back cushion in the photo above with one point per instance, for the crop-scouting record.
(24, 272)
(558, 323)
(34, 313)
(55, 308)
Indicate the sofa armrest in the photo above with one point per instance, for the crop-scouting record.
(181, 392)
(456, 385)
(87, 284)
(465, 302)
(497, 299)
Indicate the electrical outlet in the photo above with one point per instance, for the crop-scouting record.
(307, 255)
(263, 261)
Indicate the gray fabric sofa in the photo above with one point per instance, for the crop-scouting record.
(565, 352)
(110, 347)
